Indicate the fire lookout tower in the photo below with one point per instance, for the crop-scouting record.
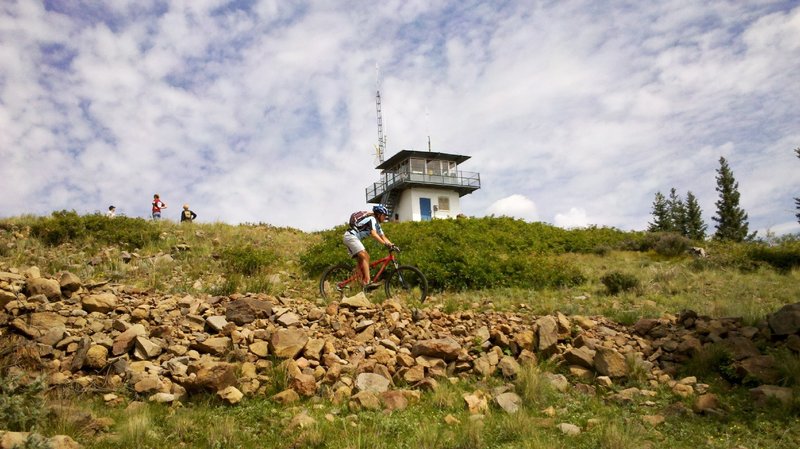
(422, 185)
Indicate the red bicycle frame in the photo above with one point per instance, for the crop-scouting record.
(384, 262)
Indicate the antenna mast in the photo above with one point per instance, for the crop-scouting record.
(427, 125)
(380, 149)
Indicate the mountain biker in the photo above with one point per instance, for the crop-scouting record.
(370, 225)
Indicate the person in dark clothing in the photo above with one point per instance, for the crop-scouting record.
(187, 215)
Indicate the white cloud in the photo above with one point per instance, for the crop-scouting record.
(575, 218)
(248, 110)
(516, 206)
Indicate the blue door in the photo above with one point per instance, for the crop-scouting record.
(425, 208)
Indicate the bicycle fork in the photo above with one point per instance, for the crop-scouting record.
(399, 274)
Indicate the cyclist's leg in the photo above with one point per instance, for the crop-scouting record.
(358, 252)
(362, 266)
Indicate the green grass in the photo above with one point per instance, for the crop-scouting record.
(735, 280)
(667, 287)
(258, 422)
(218, 259)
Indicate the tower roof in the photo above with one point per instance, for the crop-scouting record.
(405, 154)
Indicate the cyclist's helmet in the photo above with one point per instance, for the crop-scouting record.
(380, 209)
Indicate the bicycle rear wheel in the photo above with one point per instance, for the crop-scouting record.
(407, 284)
(337, 282)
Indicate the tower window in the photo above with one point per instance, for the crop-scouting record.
(444, 203)
(417, 165)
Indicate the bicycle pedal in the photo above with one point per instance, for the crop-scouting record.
(372, 286)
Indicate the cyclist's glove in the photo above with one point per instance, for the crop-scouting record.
(394, 248)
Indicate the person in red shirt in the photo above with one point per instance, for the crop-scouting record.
(157, 206)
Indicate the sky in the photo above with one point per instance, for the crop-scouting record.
(574, 113)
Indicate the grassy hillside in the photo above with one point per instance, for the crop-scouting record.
(202, 258)
(500, 262)
(500, 257)
(476, 265)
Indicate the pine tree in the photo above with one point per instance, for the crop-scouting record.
(695, 228)
(731, 219)
(797, 200)
(677, 212)
(661, 216)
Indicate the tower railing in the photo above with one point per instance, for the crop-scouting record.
(457, 180)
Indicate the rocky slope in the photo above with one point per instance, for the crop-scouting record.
(165, 347)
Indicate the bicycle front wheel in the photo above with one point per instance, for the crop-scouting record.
(407, 284)
(337, 282)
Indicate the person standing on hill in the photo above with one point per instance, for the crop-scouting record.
(187, 215)
(157, 206)
(112, 212)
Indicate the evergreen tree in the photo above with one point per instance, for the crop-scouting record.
(797, 200)
(695, 228)
(731, 219)
(661, 216)
(677, 213)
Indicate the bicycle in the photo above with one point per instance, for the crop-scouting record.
(404, 282)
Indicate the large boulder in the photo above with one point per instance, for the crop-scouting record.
(765, 395)
(547, 331)
(231, 395)
(582, 356)
(761, 368)
(785, 321)
(509, 367)
(357, 301)
(247, 310)
(645, 325)
(6, 297)
(218, 346)
(508, 402)
(209, 375)
(303, 384)
(101, 302)
(371, 382)
(96, 357)
(609, 362)
(287, 343)
(69, 282)
(441, 348)
(39, 324)
(47, 287)
(125, 341)
(741, 347)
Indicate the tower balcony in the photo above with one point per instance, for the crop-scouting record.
(460, 181)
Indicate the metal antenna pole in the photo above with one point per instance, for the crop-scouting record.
(428, 127)
(381, 148)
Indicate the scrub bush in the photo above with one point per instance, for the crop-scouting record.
(672, 245)
(246, 260)
(783, 258)
(617, 282)
(478, 253)
(67, 226)
(21, 403)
